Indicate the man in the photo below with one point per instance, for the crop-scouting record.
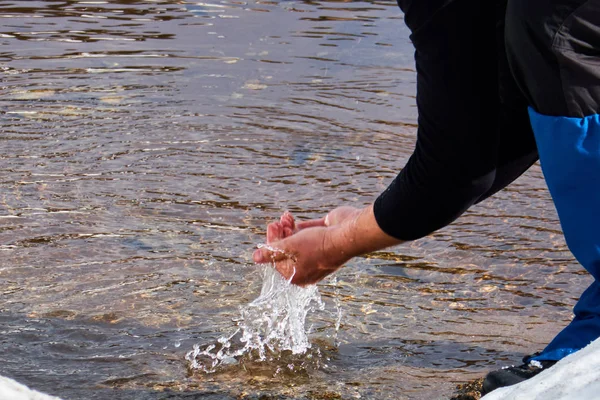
(497, 83)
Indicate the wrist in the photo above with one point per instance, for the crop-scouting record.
(360, 234)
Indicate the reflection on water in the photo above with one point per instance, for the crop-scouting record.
(146, 144)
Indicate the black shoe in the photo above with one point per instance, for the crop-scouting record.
(512, 375)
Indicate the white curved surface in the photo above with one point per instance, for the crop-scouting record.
(13, 390)
(575, 377)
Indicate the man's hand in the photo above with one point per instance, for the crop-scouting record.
(308, 251)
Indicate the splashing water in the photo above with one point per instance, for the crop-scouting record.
(270, 325)
(338, 307)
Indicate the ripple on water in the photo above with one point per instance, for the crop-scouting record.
(146, 144)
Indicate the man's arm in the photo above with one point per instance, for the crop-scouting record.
(309, 251)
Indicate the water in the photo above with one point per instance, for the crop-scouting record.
(270, 326)
(146, 145)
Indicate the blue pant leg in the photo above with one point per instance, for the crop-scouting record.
(569, 150)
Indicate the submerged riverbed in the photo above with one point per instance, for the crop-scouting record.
(146, 145)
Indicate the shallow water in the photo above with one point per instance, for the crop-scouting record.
(146, 144)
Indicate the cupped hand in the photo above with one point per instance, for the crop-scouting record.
(307, 251)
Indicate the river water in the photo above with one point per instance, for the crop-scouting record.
(146, 145)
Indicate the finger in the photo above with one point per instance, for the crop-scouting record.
(286, 269)
(263, 255)
(274, 232)
(287, 232)
(287, 221)
(311, 223)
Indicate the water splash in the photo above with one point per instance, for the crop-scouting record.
(273, 324)
(338, 307)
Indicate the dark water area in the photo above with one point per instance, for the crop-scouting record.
(146, 145)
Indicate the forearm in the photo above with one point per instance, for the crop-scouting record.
(360, 235)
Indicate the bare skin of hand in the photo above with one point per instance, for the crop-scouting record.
(308, 251)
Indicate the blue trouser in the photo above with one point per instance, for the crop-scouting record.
(569, 150)
(552, 48)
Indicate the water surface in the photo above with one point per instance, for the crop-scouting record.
(146, 145)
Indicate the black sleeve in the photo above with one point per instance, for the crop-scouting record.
(465, 97)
